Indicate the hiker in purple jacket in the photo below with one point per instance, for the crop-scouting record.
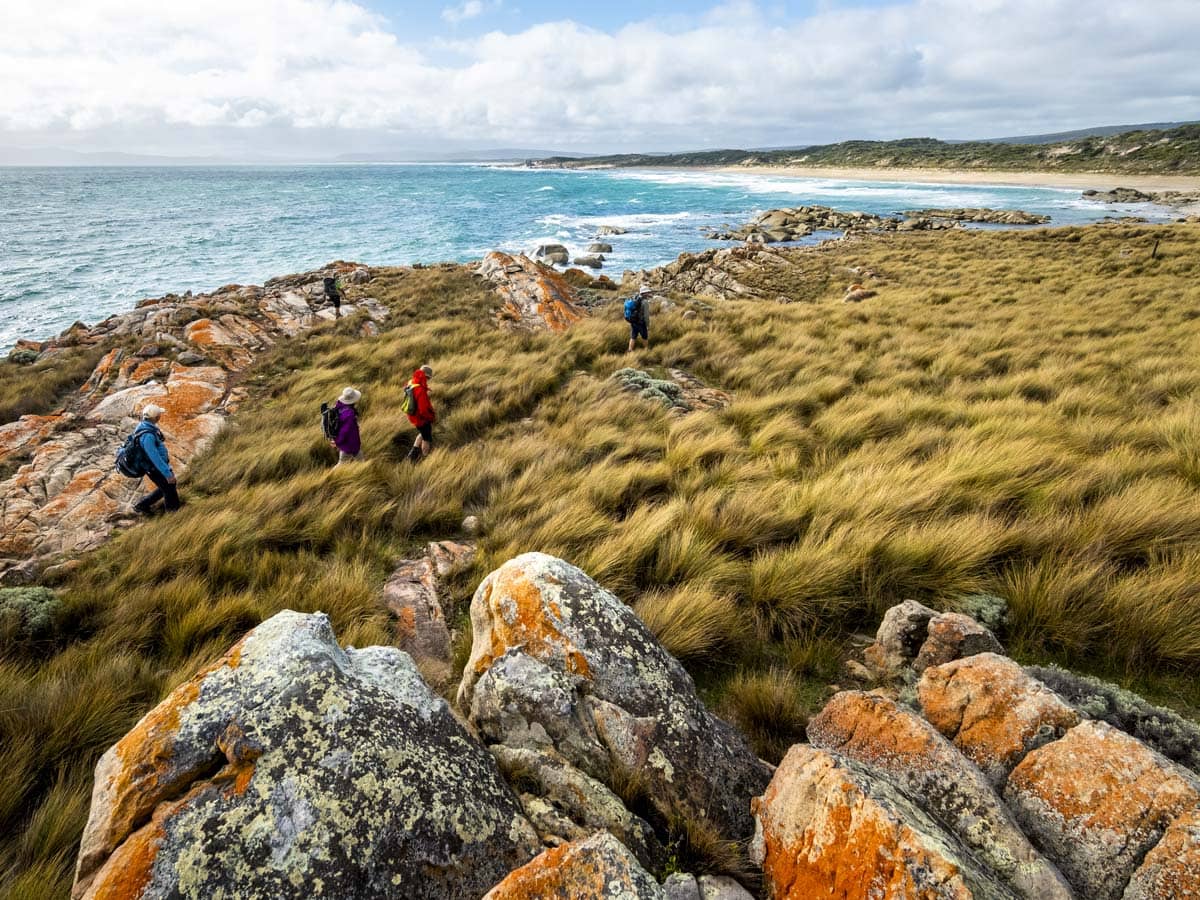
(347, 442)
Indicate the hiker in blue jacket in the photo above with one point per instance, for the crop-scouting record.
(158, 468)
(637, 314)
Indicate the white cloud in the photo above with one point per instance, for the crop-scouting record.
(734, 76)
(468, 10)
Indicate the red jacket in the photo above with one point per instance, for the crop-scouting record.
(424, 414)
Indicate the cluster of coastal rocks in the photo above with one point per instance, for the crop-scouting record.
(533, 295)
(296, 766)
(184, 353)
(792, 224)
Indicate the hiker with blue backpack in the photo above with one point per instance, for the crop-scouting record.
(637, 314)
(144, 455)
(339, 424)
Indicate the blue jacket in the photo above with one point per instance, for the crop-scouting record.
(151, 440)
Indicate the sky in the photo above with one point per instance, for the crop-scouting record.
(320, 78)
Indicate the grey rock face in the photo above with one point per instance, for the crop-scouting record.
(901, 633)
(953, 636)
(557, 659)
(292, 767)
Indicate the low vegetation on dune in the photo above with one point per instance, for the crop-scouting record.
(1169, 151)
(1013, 413)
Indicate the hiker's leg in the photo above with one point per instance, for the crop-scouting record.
(414, 452)
(160, 485)
(170, 497)
(426, 439)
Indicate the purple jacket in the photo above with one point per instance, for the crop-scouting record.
(347, 439)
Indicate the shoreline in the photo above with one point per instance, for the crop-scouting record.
(1065, 180)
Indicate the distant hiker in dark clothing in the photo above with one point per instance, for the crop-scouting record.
(346, 440)
(637, 314)
(157, 464)
(420, 413)
(334, 295)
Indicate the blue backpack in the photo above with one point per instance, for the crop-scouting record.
(633, 309)
(131, 458)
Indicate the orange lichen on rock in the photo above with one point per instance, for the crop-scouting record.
(534, 295)
(147, 773)
(16, 436)
(594, 867)
(128, 871)
(1172, 868)
(823, 835)
(1096, 801)
(992, 710)
(523, 616)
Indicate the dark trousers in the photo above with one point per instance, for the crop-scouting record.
(163, 490)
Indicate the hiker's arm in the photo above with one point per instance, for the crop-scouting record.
(424, 406)
(156, 452)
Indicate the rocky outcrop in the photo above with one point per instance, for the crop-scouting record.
(732, 273)
(565, 804)
(952, 636)
(682, 394)
(1130, 195)
(533, 296)
(791, 224)
(993, 711)
(990, 216)
(828, 828)
(65, 494)
(707, 887)
(294, 767)
(411, 594)
(899, 639)
(552, 253)
(996, 782)
(596, 868)
(1098, 801)
(560, 664)
(897, 744)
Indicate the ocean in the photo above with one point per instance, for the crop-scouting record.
(83, 243)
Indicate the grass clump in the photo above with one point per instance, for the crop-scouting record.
(28, 616)
(31, 387)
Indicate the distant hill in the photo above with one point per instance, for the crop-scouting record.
(1156, 151)
(1098, 131)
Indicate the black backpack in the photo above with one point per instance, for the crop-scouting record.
(330, 421)
(131, 458)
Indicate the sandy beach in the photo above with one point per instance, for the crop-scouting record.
(1081, 180)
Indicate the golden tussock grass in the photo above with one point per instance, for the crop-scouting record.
(1014, 413)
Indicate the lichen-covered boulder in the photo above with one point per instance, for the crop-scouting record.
(902, 748)
(557, 660)
(596, 868)
(1163, 730)
(954, 636)
(992, 711)
(899, 638)
(293, 767)
(565, 804)
(1096, 802)
(1172, 868)
(828, 828)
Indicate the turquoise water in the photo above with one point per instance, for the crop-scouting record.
(81, 244)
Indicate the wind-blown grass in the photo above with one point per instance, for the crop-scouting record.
(1014, 413)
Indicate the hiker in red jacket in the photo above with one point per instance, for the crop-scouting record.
(423, 417)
